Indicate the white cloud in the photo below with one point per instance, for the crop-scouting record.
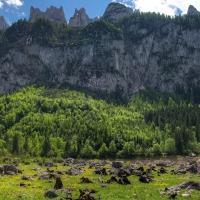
(15, 3)
(1, 4)
(163, 6)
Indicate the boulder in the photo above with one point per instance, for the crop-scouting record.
(116, 164)
(74, 171)
(1, 169)
(27, 178)
(69, 161)
(10, 168)
(123, 171)
(115, 11)
(44, 175)
(49, 164)
(51, 193)
(192, 154)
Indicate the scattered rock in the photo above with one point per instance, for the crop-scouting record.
(116, 164)
(26, 177)
(74, 171)
(10, 168)
(69, 161)
(192, 155)
(49, 164)
(186, 195)
(51, 193)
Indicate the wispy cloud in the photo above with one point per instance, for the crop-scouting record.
(14, 3)
(1, 4)
(170, 7)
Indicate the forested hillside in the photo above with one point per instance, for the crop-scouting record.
(48, 122)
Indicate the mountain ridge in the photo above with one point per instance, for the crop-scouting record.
(137, 50)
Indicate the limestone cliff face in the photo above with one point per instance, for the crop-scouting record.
(80, 18)
(163, 60)
(54, 14)
(3, 24)
(192, 10)
(115, 11)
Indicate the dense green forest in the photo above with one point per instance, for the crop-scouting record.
(51, 122)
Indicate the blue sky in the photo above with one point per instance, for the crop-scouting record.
(12, 10)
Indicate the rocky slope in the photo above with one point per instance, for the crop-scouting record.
(54, 14)
(164, 58)
(3, 24)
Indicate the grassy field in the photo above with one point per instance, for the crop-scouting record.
(35, 189)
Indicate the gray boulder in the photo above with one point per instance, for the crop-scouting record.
(51, 194)
(44, 175)
(74, 171)
(10, 168)
(115, 11)
(117, 164)
(69, 161)
(28, 178)
(49, 164)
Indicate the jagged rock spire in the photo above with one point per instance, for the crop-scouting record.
(3, 24)
(80, 18)
(52, 13)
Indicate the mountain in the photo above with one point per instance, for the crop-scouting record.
(192, 10)
(54, 14)
(141, 49)
(80, 18)
(3, 24)
(115, 11)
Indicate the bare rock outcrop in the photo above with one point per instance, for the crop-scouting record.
(192, 10)
(80, 18)
(115, 11)
(3, 24)
(54, 14)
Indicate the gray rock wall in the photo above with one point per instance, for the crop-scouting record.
(163, 60)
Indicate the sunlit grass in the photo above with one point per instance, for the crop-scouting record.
(10, 189)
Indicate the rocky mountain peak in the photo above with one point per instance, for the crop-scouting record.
(192, 10)
(52, 13)
(115, 11)
(80, 18)
(3, 24)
